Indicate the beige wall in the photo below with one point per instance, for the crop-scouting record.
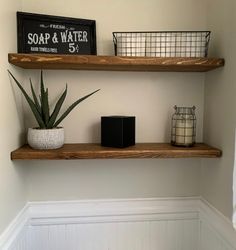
(12, 175)
(126, 15)
(220, 103)
(148, 96)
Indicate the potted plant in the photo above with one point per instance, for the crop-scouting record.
(47, 135)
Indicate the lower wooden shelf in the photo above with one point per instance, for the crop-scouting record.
(96, 151)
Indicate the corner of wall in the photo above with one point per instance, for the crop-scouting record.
(13, 176)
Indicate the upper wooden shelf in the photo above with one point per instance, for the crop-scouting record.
(96, 151)
(114, 63)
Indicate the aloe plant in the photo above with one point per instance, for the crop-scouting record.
(40, 106)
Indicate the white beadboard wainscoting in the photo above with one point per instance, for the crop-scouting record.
(134, 224)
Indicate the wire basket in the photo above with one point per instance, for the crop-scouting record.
(162, 43)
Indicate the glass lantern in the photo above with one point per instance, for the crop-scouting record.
(183, 131)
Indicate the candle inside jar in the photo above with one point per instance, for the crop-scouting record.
(184, 132)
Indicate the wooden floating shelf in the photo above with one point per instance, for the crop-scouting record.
(96, 151)
(114, 63)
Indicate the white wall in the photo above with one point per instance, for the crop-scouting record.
(220, 103)
(148, 96)
(12, 176)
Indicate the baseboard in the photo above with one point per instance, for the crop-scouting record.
(15, 229)
(194, 215)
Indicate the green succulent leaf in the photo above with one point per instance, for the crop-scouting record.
(42, 84)
(40, 108)
(35, 97)
(72, 106)
(57, 109)
(30, 102)
(44, 102)
(45, 107)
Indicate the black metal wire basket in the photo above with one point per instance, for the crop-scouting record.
(162, 43)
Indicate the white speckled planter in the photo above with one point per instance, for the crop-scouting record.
(46, 138)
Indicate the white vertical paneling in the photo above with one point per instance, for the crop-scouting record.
(72, 236)
(132, 235)
(39, 235)
(117, 225)
(100, 236)
(158, 233)
(216, 231)
(175, 234)
(22, 241)
(190, 241)
(57, 237)
(140, 235)
(211, 240)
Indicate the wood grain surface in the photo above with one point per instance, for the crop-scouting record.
(114, 63)
(96, 151)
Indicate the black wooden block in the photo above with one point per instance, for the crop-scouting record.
(117, 131)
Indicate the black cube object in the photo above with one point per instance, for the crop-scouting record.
(117, 131)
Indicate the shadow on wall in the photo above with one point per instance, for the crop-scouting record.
(95, 132)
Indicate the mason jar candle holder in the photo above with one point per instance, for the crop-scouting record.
(183, 130)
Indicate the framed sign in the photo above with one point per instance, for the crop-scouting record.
(38, 33)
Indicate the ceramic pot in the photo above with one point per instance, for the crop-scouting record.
(46, 138)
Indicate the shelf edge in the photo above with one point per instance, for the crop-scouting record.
(95, 151)
(114, 63)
